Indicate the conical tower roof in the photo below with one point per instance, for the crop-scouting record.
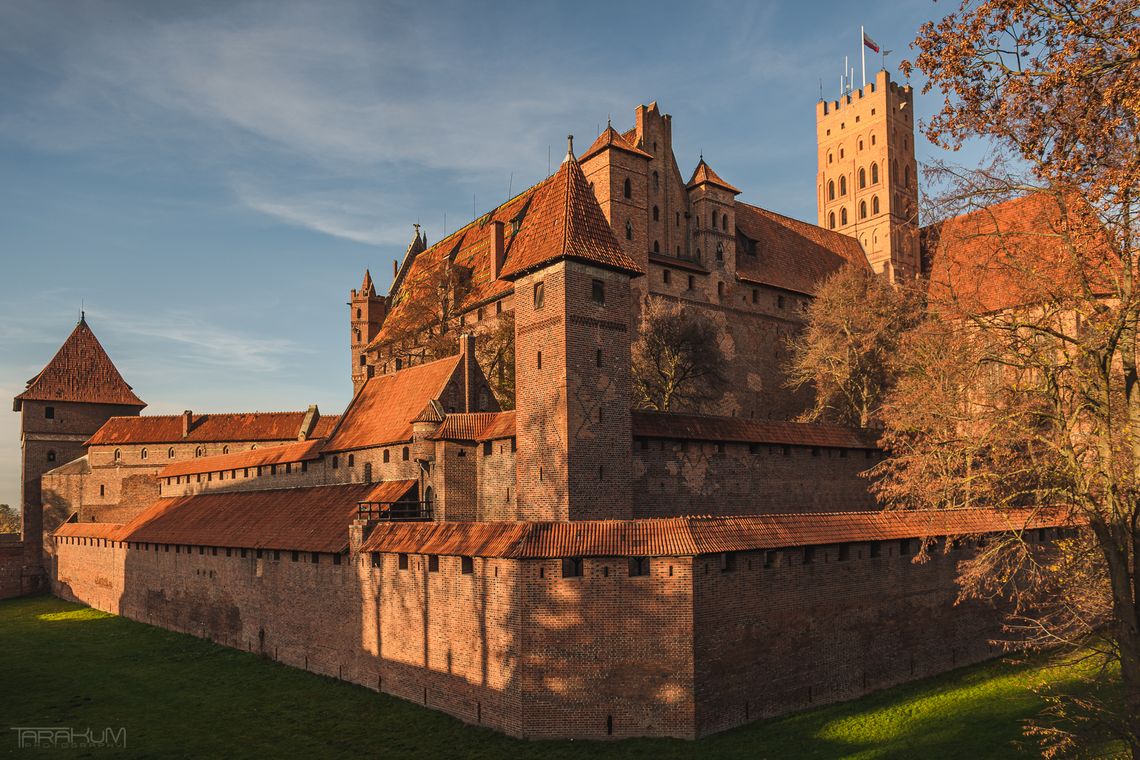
(704, 174)
(566, 222)
(80, 372)
(367, 287)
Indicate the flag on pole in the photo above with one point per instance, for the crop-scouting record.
(870, 42)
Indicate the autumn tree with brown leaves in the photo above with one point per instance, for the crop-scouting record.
(1023, 387)
(845, 354)
(424, 324)
(678, 364)
(495, 352)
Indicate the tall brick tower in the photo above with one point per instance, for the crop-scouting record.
(62, 407)
(573, 306)
(867, 186)
(714, 225)
(367, 311)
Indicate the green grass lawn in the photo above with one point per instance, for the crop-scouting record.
(62, 664)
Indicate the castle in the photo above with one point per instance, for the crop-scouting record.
(571, 567)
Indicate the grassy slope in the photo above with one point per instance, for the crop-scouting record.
(66, 665)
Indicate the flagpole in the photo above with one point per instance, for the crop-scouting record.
(863, 52)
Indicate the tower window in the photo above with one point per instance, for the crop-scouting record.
(656, 246)
(539, 295)
(862, 178)
(720, 251)
(363, 360)
(656, 211)
(678, 224)
(627, 189)
(539, 360)
(860, 142)
(598, 291)
(862, 209)
(51, 456)
(872, 134)
(656, 182)
(628, 230)
(49, 412)
(874, 204)
(843, 186)
(843, 216)
(724, 222)
(170, 453)
(874, 174)
(831, 220)
(143, 454)
(831, 190)
(404, 454)
(665, 276)
(829, 158)
(358, 313)
(714, 218)
(598, 357)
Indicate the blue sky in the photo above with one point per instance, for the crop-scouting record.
(210, 179)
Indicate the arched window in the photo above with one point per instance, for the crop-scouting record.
(351, 460)
(831, 189)
(841, 153)
(387, 456)
(831, 221)
(656, 214)
(874, 174)
(843, 186)
(862, 209)
(724, 222)
(628, 230)
(197, 452)
(656, 181)
(627, 189)
(656, 246)
(226, 449)
(862, 178)
(170, 453)
(143, 454)
(829, 160)
(895, 170)
(404, 453)
(720, 251)
(860, 145)
(714, 219)
(872, 138)
(51, 455)
(843, 217)
(118, 455)
(429, 497)
(874, 204)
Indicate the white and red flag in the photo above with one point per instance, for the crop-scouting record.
(870, 42)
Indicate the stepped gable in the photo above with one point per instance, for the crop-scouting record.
(383, 410)
(476, 426)
(786, 253)
(566, 222)
(612, 139)
(209, 428)
(704, 174)
(289, 453)
(312, 519)
(1005, 255)
(689, 536)
(81, 372)
(469, 248)
(699, 427)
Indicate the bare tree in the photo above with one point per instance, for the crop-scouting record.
(495, 349)
(677, 362)
(424, 322)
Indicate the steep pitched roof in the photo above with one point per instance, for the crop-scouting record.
(565, 221)
(777, 250)
(612, 139)
(704, 174)
(476, 426)
(367, 287)
(209, 428)
(688, 536)
(383, 409)
(698, 427)
(1008, 254)
(81, 372)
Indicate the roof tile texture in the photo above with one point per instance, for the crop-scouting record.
(81, 371)
(247, 426)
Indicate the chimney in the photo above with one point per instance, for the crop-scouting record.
(470, 367)
(498, 247)
(309, 423)
(186, 417)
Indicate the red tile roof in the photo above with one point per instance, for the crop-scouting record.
(704, 174)
(110, 531)
(687, 536)
(302, 451)
(247, 426)
(476, 426)
(786, 253)
(383, 410)
(610, 138)
(82, 372)
(1007, 254)
(565, 221)
(697, 427)
(314, 519)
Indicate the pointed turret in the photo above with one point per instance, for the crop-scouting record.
(367, 287)
(611, 139)
(704, 174)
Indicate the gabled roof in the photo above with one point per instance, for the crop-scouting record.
(689, 536)
(704, 174)
(1008, 254)
(301, 451)
(476, 426)
(80, 372)
(209, 428)
(699, 427)
(786, 253)
(612, 139)
(566, 222)
(383, 409)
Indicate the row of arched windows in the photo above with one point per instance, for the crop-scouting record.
(843, 153)
(874, 210)
(862, 181)
(198, 452)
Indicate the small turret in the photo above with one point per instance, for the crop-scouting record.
(367, 312)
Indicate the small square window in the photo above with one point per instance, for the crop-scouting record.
(49, 412)
(598, 291)
(466, 565)
(375, 559)
(433, 563)
(638, 567)
(665, 275)
(572, 567)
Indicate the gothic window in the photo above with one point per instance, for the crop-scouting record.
(572, 567)
(356, 336)
(198, 452)
(843, 185)
(874, 174)
(678, 224)
(714, 219)
(143, 454)
(831, 190)
(656, 247)
(656, 214)
(875, 204)
(860, 145)
(539, 295)
(170, 453)
(627, 189)
(872, 138)
(638, 566)
(843, 217)
(862, 178)
(862, 209)
(841, 153)
(720, 251)
(628, 230)
(831, 220)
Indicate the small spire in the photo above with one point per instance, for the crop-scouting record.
(417, 226)
(569, 149)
